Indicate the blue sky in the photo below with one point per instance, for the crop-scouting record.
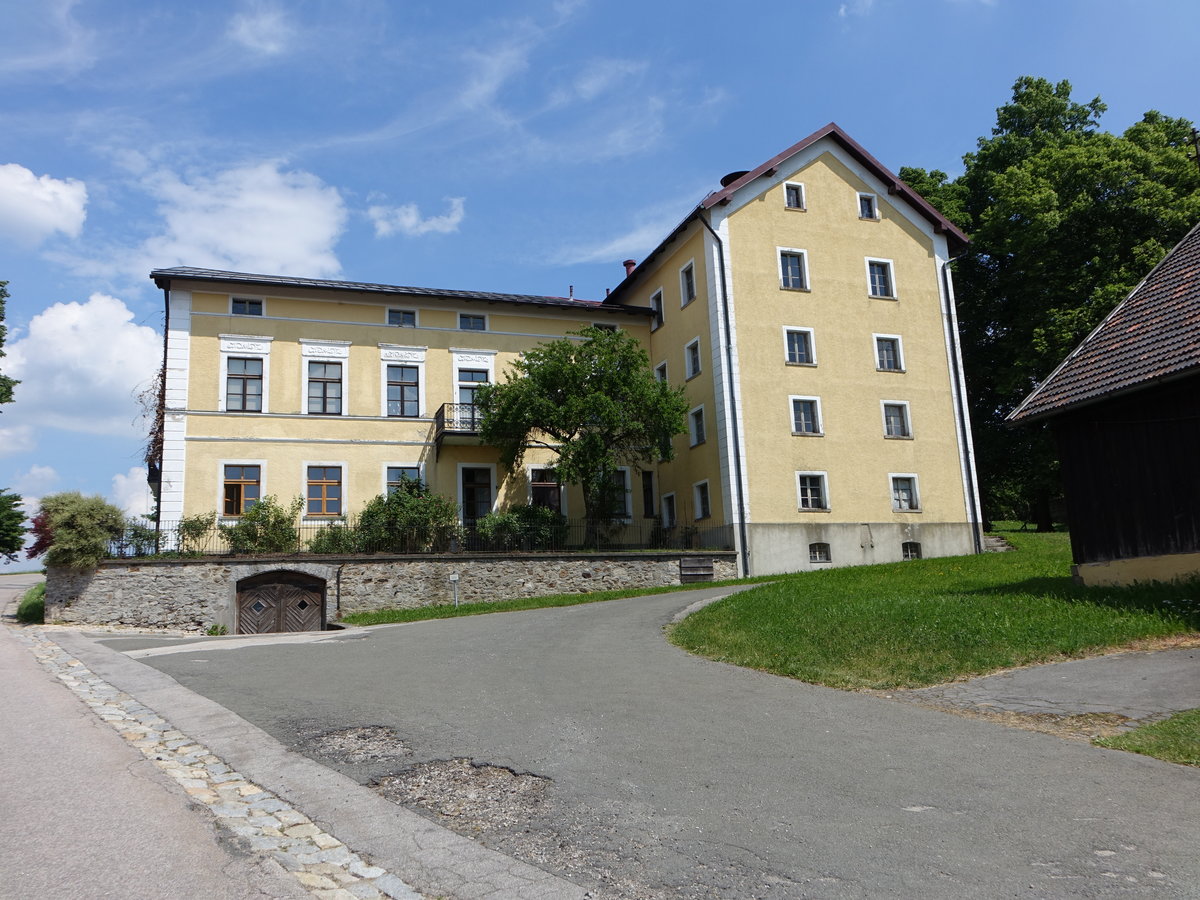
(522, 146)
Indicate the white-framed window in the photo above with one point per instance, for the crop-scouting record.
(545, 489)
(622, 507)
(812, 491)
(246, 306)
(905, 493)
(889, 353)
(325, 376)
(241, 485)
(402, 318)
(881, 279)
(668, 511)
(799, 348)
(910, 550)
(896, 421)
(793, 195)
(472, 368)
(396, 474)
(806, 415)
(793, 269)
(691, 358)
(476, 491)
(656, 304)
(701, 500)
(403, 390)
(660, 372)
(245, 373)
(323, 496)
(472, 322)
(687, 284)
(819, 552)
(696, 432)
(868, 206)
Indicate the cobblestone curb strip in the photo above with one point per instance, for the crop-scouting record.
(325, 866)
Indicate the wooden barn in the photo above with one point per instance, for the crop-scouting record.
(1125, 410)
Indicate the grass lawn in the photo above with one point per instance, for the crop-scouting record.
(1176, 739)
(930, 621)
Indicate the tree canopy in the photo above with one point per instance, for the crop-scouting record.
(75, 531)
(6, 383)
(1064, 220)
(12, 525)
(592, 399)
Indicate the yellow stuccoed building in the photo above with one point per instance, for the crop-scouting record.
(806, 307)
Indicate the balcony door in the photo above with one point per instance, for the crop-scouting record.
(476, 493)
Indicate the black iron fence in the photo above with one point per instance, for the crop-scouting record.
(346, 536)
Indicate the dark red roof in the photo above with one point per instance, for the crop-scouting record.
(1152, 335)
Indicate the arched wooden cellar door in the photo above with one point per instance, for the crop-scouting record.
(280, 601)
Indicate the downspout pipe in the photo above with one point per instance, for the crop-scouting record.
(735, 434)
(960, 396)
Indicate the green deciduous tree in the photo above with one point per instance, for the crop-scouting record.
(593, 400)
(6, 383)
(1064, 220)
(12, 525)
(75, 531)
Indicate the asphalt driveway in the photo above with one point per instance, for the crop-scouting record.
(674, 776)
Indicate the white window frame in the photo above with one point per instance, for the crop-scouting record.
(916, 486)
(262, 483)
(812, 345)
(656, 303)
(419, 466)
(820, 432)
(803, 198)
(400, 309)
(251, 297)
(562, 488)
(487, 325)
(462, 358)
(908, 424)
(904, 554)
(687, 358)
(803, 254)
(458, 485)
(820, 562)
(874, 198)
(824, 476)
(305, 516)
(891, 267)
(626, 474)
(693, 439)
(696, 517)
(399, 355)
(876, 338)
(244, 346)
(684, 300)
(662, 509)
(661, 372)
(314, 350)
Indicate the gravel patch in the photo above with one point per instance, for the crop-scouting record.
(359, 744)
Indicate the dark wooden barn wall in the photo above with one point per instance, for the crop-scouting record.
(1131, 474)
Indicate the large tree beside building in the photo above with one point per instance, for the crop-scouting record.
(592, 399)
(6, 383)
(1065, 220)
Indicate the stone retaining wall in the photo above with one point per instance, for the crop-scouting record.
(195, 594)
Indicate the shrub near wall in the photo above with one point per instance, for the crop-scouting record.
(195, 594)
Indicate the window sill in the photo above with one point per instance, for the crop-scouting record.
(808, 434)
(868, 218)
(892, 371)
(898, 437)
(799, 290)
(882, 296)
(687, 303)
(336, 518)
(697, 444)
(813, 509)
(694, 375)
(906, 510)
(802, 364)
(796, 208)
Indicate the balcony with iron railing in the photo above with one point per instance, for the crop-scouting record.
(456, 423)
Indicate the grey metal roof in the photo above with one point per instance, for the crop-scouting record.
(164, 277)
(1152, 335)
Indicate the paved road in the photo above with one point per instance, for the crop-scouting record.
(697, 779)
(84, 815)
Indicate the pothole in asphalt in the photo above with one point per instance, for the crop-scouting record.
(360, 744)
(468, 797)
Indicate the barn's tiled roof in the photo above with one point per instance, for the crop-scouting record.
(1152, 335)
(163, 278)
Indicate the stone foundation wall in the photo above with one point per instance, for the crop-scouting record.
(194, 595)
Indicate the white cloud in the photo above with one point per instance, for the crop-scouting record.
(44, 38)
(263, 28)
(131, 493)
(34, 485)
(407, 219)
(856, 8)
(80, 365)
(33, 207)
(16, 439)
(652, 226)
(256, 218)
